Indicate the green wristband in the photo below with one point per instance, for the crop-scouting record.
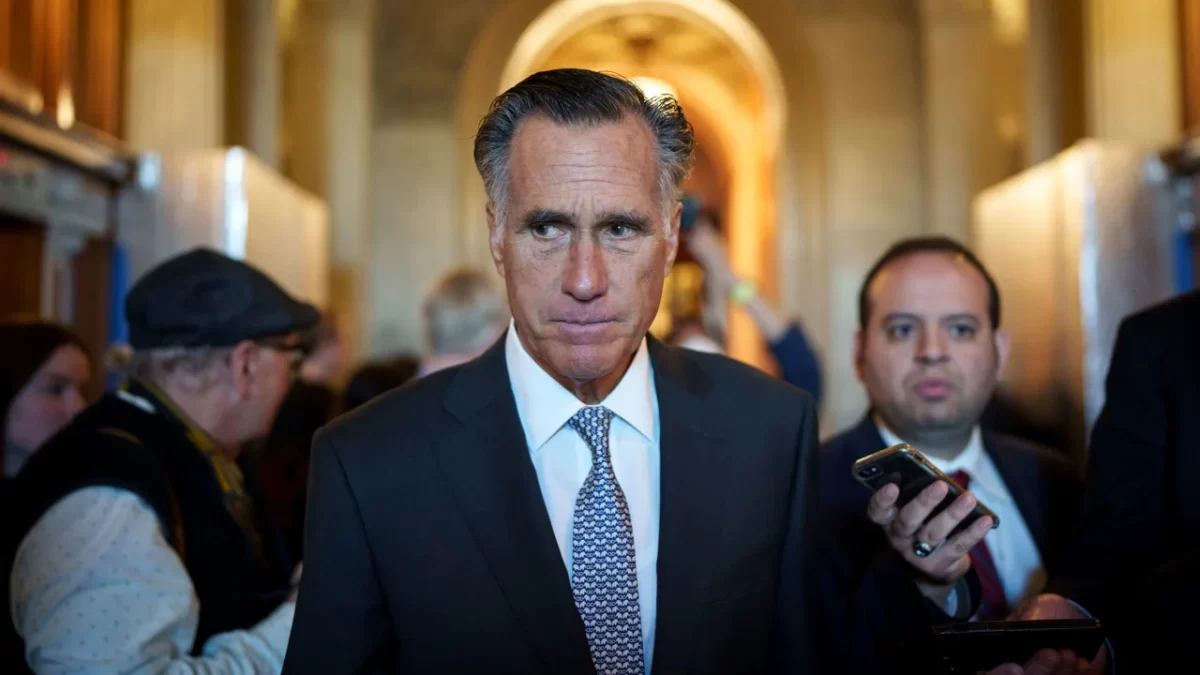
(742, 292)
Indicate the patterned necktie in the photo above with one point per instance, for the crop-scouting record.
(994, 604)
(603, 567)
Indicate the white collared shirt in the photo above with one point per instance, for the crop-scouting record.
(562, 459)
(1013, 549)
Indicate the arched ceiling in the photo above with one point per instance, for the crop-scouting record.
(421, 45)
(643, 40)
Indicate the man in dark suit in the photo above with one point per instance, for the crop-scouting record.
(929, 351)
(582, 498)
(1135, 560)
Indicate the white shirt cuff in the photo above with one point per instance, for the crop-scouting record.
(951, 606)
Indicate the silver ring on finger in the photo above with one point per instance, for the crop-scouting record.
(923, 549)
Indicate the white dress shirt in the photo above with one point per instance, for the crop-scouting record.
(96, 588)
(562, 459)
(1018, 562)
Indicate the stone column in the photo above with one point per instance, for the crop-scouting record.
(255, 78)
(175, 75)
(1044, 99)
(974, 108)
(328, 145)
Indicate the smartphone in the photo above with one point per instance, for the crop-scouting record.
(691, 212)
(911, 472)
(981, 646)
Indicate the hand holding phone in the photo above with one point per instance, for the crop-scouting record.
(931, 522)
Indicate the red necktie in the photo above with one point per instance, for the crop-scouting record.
(994, 604)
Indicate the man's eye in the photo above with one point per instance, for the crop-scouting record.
(626, 230)
(899, 331)
(962, 330)
(544, 230)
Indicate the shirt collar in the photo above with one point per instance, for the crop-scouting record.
(973, 460)
(544, 405)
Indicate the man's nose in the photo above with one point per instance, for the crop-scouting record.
(931, 347)
(585, 277)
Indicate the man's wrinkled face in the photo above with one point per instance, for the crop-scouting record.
(584, 243)
(929, 356)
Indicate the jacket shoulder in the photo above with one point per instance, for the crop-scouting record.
(94, 450)
(1173, 322)
(1048, 460)
(739, 381)
(407, 411)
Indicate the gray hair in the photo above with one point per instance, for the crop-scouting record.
(586, 98)
(462, 313)
(193, 369)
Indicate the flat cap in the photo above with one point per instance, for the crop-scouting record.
(205, 299)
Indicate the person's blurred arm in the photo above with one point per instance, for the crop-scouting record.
(97, 588)
(798, 363)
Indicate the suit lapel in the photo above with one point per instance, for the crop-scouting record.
(693, 486)
(488, 467)
(864, 437)
(1024, 481)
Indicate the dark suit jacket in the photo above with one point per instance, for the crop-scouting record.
(1136, 561)
(429, 549)
(858, 568)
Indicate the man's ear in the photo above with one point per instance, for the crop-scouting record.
(1003, 349)
(860, 347)
(496, 237)
(673, 235)
(243, 368)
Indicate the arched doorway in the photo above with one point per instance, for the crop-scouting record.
(719, 66)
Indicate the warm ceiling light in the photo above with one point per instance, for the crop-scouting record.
(652, 86)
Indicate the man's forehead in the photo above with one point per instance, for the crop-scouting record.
(583, 169)
(540, 138)
(935, 282)
(941, 272)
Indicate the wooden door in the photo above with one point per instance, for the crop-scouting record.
(21, 247)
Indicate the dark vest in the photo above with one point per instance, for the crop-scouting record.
(240, 576)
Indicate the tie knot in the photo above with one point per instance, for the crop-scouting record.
(593, 423)
(962, 478)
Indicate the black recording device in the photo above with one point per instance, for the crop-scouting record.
(691, 213)
(981, 646)
(911, 472)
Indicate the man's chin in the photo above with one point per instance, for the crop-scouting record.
(586, 362)
(939, 415)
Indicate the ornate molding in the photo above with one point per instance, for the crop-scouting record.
(837, 8)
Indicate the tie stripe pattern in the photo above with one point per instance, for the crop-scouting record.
(603, 567)
(994, 603)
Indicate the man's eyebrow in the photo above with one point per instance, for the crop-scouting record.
(962, 316)
(546, 217)
(897, 316)
(628, 218)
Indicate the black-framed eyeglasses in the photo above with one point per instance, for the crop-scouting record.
(290, 346)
